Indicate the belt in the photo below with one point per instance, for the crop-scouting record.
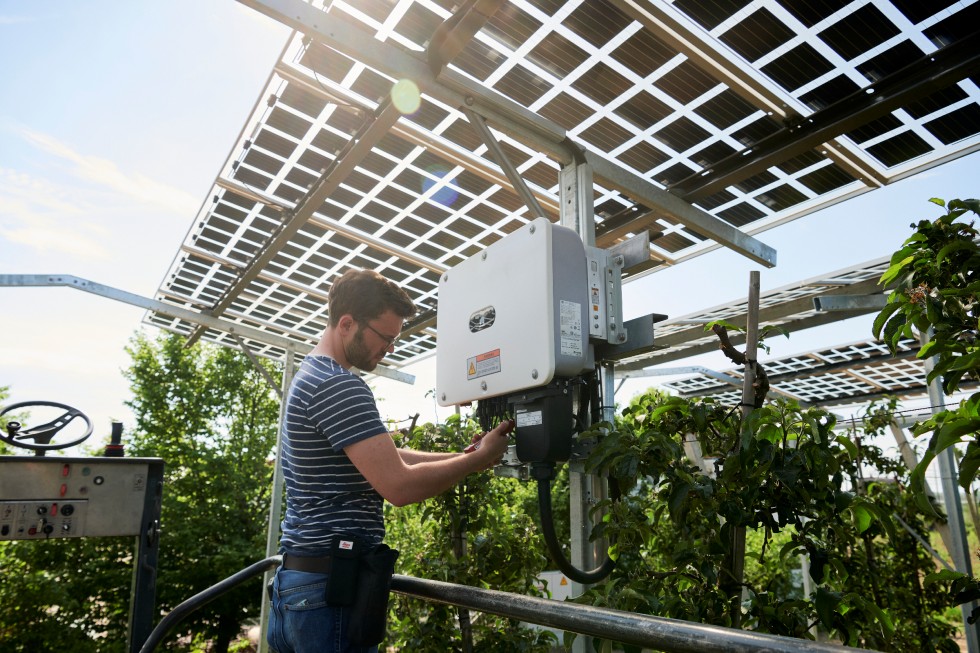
(319, 565)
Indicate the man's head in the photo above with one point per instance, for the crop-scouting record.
(368, 310)
(365, 295)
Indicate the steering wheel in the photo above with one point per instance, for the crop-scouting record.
(44, 434)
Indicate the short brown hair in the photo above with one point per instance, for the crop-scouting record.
(365, 295)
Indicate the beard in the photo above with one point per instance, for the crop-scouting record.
(359, 355)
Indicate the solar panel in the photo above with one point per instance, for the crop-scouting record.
(703, 123)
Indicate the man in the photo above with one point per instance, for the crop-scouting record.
(340, 463)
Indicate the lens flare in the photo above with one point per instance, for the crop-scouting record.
(445, 195)
(406, 97)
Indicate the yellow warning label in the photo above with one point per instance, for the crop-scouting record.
(564, 581)
(482, 365)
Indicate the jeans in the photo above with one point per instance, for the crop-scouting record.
(301, 621)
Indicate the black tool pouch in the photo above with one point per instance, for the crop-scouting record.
(369, 613)
(344, 567)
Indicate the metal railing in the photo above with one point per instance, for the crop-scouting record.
(670, 635)
(200, 599)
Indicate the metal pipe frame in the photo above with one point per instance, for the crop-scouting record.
(658, 633)
(202, 319)
(201, 599)
(516, 181)
(670, 635)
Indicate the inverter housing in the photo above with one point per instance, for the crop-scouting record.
(514, 316)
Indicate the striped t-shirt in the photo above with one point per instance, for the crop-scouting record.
(328, 408)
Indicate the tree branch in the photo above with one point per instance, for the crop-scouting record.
(761, 383)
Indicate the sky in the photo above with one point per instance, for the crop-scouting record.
(115, 118)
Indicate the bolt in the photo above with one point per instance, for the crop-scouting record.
(443, 396)
(483, 385)
(483, 256)
(532, 228)
(534, 374)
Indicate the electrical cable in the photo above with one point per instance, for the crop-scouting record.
(544, 472)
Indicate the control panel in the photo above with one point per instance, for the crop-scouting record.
(48, 497)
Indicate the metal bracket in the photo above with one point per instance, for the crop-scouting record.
(849, 302)
(640, 341)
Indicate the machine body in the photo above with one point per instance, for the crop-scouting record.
(56, 497)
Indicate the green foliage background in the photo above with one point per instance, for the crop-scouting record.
(798, 489)
(935, 295)
(211, 417)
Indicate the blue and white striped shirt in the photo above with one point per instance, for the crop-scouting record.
(328, 408)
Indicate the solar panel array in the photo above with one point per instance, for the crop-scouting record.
(851, 374)
(731, 106)
(790, 307)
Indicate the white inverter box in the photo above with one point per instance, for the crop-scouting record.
(514, 316)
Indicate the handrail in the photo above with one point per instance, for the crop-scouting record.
(670, 635)
(179, 613)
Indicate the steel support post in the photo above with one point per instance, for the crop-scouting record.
(735, 562)
(911, 461)
(959, 548)
(275, 502)
(577, 212)
(144, 584)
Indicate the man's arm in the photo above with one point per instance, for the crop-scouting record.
(413, 456)
(401, 483)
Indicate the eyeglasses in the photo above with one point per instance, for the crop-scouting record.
(388, 340)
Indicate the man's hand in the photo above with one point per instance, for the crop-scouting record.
(492, 445)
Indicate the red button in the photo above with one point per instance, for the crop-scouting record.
(65, 469)
(64, 489)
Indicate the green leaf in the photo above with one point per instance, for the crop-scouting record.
(852, 450)
(954, 246)
(788, 548)
(967, 362)
(917, 481)
(883, 316)
(770, 432)
(969, 466)
(862, 517)
(971, 204)
(943, 575)
(924, 351)
(722, 323)
(952, 431)
(894, 270)
(676, 502)
(881, 616)
(936, 200)
(826, 602)
(893, 330)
